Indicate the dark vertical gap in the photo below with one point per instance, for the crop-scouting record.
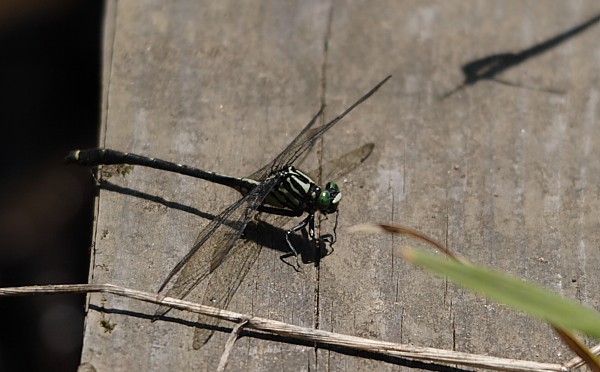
(392, 236)
(327, 36)
(49, 104)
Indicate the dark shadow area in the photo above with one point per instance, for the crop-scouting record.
(276, 338)
(488, 68)
(393, 360)
(49, 103)
(259, 231)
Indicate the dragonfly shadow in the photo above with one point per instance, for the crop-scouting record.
(288, 340)
(259, 231)
(489, 67)
(109, 186)
(268, 235)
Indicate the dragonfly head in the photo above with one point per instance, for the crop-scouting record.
(329, 198)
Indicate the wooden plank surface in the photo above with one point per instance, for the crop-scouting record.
(506, 175)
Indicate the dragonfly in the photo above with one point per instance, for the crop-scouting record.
(278, 188)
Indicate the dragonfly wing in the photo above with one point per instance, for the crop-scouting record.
(308, 136)
(195, 265)
(213, 244)
(264, 171)
(223, 284)
(241, 217)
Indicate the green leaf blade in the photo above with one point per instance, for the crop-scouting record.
(528, 297)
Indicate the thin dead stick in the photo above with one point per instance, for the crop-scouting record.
(283, 329)
(579, 348)
(404, 230)
(579, 362)
(235, 332)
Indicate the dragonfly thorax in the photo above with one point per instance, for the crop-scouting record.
(297, 192)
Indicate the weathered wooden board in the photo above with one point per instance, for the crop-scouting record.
(506, 175)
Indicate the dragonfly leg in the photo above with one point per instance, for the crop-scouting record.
(337, 215)
(332, 238)
(311, 225)
(308, 221)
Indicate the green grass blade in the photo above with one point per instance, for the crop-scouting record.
(528, 297)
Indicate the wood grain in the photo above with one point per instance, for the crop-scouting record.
(505, 173)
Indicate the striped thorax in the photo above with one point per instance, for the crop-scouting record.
(297, 192)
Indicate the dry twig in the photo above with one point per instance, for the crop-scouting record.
(424, 354)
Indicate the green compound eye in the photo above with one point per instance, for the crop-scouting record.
(324, 201)
(329, 198)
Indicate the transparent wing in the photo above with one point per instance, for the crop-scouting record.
(223, 284)
(264, 171)
(308, 136)
(213, 244)
(226, 279)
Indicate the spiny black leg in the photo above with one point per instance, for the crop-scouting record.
(337, 214)
(287, 239)
(329, 238)
(310, 221)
